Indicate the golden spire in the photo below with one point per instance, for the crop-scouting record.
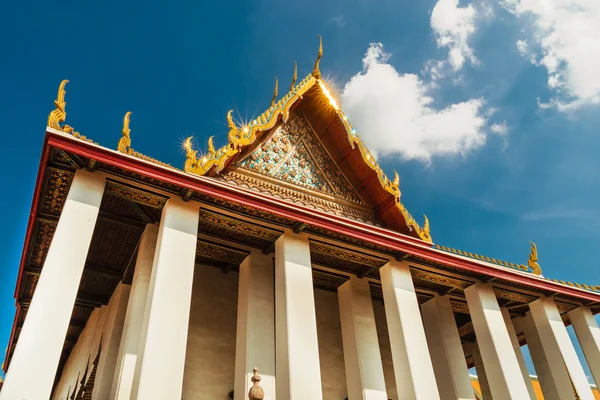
(275, 92)
(211, 146)
(294, 77)
(532, 262)
(256, 392)
(125, 142)
(316, 73)
(59, 114)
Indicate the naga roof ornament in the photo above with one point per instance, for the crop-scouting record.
(532, 262)
(58, 116)
(125, 142)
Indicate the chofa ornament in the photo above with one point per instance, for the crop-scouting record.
(532, 262)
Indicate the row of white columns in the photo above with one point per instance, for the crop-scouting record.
(277, 328)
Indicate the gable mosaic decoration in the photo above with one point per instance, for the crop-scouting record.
(295, 155)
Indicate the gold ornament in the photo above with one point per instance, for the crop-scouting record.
(532, 262)
(316, 73)
(124, 145)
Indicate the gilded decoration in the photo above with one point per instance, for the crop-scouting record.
(134, 194)
(327, 280)
(438, 279)
(220, 253)
(236, 230)
(124, 145)
(339, 258)
(532, 262)
(295, 155)
(306, 198)
(243, 210)
(242, 136)
(61, 158)
(58, 116)
(514, 296)
(56, 189)
(459, 307)
(43, 233)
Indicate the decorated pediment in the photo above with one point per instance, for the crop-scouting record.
(295, 165)
(303, 148)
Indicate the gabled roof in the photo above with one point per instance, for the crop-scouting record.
(308, 97)
(329, 121)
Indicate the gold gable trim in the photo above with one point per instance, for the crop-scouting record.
(240, 137)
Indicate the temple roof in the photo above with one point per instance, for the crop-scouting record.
(312, 98)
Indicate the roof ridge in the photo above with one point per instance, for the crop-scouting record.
(522, 267)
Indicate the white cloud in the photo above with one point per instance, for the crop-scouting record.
(394, 113)
(565, 35)
(452, 26)
(499, 129)
(522, 47)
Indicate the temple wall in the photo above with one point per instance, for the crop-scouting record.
(384, 348)
(107, 320)
(331, 353)
(210, 356)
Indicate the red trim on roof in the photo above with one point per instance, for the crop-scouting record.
(33, 212)
(341, 225)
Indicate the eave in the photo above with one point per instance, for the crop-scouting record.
(344, 226)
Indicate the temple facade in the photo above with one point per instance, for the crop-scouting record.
(288, 250)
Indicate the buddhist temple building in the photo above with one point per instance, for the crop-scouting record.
(289, 250)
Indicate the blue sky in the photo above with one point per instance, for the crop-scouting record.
(489, 110)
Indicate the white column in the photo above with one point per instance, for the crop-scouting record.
(111, 338)
(588, 334)
(297, 356)
(484, 384)
(559, 350)
(517, 348)
(445, 349)
(166, 317)
(413, 369)
(362, 359)
(545, 375)
(501, 365)
(255, 340)
(129, 347)
(35, 360)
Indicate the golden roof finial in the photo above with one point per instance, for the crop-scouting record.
(532, 262)
(316, 73)
(190, 155)
(294, 77)
(211, 146)
(59, 114)
(396, 179)
(275, 92)
(124, 145)
(256, 392)
(426, 226)
(230, 123)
